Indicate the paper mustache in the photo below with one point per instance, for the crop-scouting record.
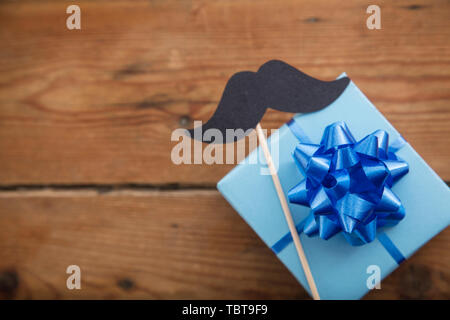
(275, 85)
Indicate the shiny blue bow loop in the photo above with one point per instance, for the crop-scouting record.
(348, 184)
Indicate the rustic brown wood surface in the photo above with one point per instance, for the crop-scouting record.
(151, 244)
(86, 111)
(99, 105)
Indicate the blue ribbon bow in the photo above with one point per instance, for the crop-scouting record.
(348, 184)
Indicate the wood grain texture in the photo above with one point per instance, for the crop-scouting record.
(158, 245)
(99, 105)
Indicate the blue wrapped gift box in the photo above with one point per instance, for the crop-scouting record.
(339, 269)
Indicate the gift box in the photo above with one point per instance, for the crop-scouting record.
(340, 270)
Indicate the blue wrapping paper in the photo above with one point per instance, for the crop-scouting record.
(339, 269)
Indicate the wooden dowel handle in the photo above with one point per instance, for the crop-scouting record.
(287, 212)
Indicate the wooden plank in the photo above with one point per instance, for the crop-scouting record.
(99, 105)
(147, 244)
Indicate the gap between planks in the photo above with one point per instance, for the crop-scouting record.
(93, 190)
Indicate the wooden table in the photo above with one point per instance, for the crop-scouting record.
(85, 123)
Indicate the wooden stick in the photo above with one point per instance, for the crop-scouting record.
(287, 212)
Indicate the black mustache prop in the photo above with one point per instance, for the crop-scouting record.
(275, 85)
